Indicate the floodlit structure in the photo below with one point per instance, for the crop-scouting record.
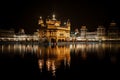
(84, 35)
(52, 30)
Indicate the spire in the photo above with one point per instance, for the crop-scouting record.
(53, 17)
(68, 21)
(40, 21)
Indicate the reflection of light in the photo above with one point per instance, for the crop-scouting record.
(23, 48)
(29, 48)
(20, 48)
(40, 63)
(68, 61)
(35, 48)
(2, 48)
(56, 55)
(9, 48)
(72, 47)
(84, 56)
(65, 61)
(40, 52)
(48, 63)
(14, 48)
(53, 68)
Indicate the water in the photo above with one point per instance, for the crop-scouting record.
(72, 61)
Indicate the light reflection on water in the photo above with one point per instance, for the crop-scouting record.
(50, 57)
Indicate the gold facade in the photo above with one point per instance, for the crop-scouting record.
(53, 31)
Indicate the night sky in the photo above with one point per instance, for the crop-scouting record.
(25, 13)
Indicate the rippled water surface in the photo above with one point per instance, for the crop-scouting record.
(59, 62)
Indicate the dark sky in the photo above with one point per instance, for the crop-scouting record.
(25, 13)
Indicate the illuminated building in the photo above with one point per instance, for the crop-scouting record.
(97, 35)
(10, 35)
(113, 31)
(52, 30)
(100, 32)
(6, 35)
(83, 31)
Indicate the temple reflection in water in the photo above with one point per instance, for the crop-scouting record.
(51, 57)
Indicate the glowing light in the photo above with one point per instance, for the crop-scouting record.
(57, 24)
(40, 17)
(64, 23)
(40, 63)
(53, 68)
(48, 63)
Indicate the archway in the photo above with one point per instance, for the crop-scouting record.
(59, 40)
(53, 40)
(63, 40)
